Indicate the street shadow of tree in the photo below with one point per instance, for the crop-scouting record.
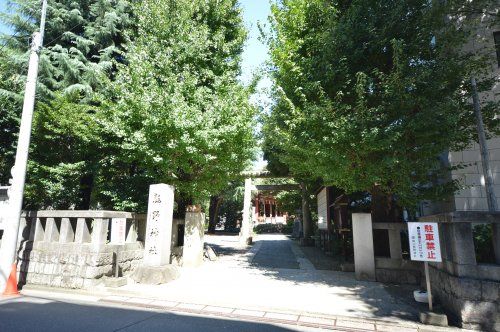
(386, 301)
(222, 250)
(39, 314)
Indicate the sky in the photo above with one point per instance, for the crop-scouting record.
(3, 4)
(255, 53)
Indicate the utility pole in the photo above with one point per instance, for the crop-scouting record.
(16, 192)
(488, 176)
(483, 147)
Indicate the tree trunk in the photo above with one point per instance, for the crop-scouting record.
(213, 213)
(182, 205)
(306, 214)
(384, 209)
(383, 206)
(86, 185)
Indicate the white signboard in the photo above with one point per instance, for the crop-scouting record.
(322, 209)
(118, 229)
(424, 241)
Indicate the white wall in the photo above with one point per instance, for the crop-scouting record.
(473, 196)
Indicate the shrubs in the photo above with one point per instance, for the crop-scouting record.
(273, 228)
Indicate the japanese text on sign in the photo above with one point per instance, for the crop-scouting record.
(424, 242)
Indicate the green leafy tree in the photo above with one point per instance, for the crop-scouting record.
(370, 93)
(183, 117)
(83, 42)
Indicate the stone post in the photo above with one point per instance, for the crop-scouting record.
(99, 234)
(82, 234)
(462, 245)
(246, 223)
(132, 234)
(364, 256)
(159, 225)
(192, 252)
(51, 231)
(156, 268)
(395, 244)
(67, 233)
(37, 233)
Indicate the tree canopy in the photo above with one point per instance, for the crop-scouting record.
(370, 93)
(182, 115)
(83, 42)
(129, 94)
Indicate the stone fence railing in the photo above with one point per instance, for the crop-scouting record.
(77, 227)
(72, 249)
(396, 268)
(367, 266)
(469, 291)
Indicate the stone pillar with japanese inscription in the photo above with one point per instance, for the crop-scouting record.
(156, 267)
(159, 225)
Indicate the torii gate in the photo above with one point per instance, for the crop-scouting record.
(247, 222)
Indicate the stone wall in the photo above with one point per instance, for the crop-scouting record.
(399, 271)
(75, 249)
(74, 265)
(471, 303)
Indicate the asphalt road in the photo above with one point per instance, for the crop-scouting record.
(37, 314)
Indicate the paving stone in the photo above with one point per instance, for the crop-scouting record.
(190, 306)
(252, 313)
(275, 254)
(355, 325)
(316, 320)
(139, 300)
(116, 298)
(275, 315)
(222, 310)
(394, 328)
(163, 303)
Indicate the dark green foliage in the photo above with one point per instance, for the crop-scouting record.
(83, 42)
(182, 116)
(273, 228)
(370, 93)
(483, 243)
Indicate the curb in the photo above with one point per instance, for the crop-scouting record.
(334, 323)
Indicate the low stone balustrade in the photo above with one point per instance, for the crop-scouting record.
(469, 292)
(72, 249)
(393, 269)
(396, 269)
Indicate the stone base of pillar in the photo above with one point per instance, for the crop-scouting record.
(155, 275)
(246, 240)
(115, 282)
(306, 242)
(432, 318)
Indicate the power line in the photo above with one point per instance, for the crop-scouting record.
(62, 34)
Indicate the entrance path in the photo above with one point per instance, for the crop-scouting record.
(273, 279)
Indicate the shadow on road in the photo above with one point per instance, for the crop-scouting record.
(38, 314)
(277, 261)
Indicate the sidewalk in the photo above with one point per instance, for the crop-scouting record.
(270, 282)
